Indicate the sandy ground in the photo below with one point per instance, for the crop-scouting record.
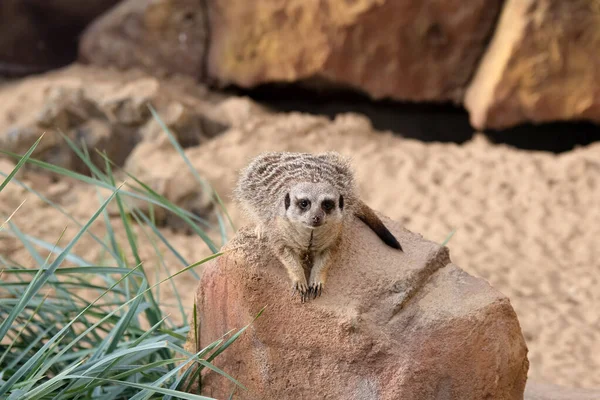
(528, 222)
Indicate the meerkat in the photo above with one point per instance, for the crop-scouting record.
(301, 204)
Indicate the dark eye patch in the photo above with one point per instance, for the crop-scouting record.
(327, 205)
(287, 201)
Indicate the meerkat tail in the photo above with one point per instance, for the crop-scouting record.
(368, 216)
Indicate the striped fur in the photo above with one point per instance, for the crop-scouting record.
(264, 183)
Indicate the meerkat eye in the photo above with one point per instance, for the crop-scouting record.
(327, 205)
(304, 204)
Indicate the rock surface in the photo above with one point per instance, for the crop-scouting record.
(105, 110)
(542, 65)
(162, 37)
(404, 50)
(389, 325)
(38, 35)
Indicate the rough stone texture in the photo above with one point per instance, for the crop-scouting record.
(38, 35)
(389, 325)
(106, 110)
(405, 50)
(542, 65)
(162, 37)
(544, 391)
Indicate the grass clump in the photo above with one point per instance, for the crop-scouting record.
(56, 343)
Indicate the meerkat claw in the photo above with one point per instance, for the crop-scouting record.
(302, 289)
(316, 289)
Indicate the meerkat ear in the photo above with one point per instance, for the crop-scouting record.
(287, 201)
(341, 202)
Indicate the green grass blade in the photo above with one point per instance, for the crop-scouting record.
(163, 239)
(181, 395)
(61, 210)
(27, 350)
(66, 347)
(94, 270)
(39, 260)
(12, 343)
(162, 263)
(50, 385)
(124, 322)
(84, 156)
(47, 273)
(96, 182)
(12, 215)
(93, 326)
(36, 285)
(153, 318)
(177, 211)
(233, 338)
(445, 242)
(176, 145)
(21, 162)
(41, 354)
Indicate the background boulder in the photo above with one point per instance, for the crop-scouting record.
(542, 65)
(162, 37)
(401, 49)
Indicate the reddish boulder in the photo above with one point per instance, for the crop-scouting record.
(389, 325)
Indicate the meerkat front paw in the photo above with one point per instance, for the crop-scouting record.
(315, 288)
(301, 287)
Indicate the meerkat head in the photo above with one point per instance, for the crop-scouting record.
(314, 204)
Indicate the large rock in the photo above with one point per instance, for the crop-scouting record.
(38, 35)
(389, 325)
(542, 65)
(525, 221)
(401, 49)
(160, 36)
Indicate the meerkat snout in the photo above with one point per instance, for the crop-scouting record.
(316, 220)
